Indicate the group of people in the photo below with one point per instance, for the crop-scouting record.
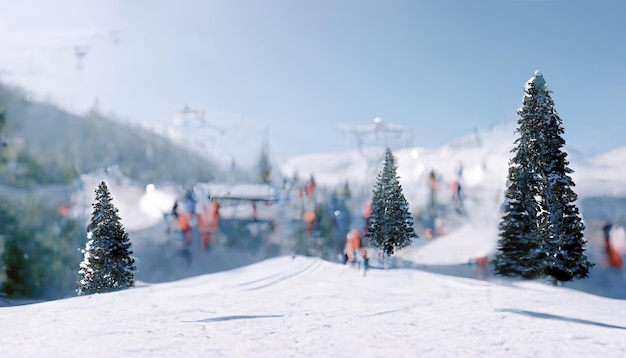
(186, 218)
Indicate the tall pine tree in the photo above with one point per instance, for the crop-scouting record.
(108, 264)
(541, 232)
(391, 224)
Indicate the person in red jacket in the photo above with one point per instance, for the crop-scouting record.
(614, 259)
(208, 223)
(310, 187)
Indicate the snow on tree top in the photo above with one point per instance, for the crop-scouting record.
(537, 80)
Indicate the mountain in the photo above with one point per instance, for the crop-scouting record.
(65, 144)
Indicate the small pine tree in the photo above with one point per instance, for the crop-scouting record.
(108, 264)
(391, 224)
(265, 167)
(346, 192)
(541, 232)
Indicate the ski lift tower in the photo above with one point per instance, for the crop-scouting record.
(376, 133)
(190, 116)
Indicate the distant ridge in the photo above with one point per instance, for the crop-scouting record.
(65, 142)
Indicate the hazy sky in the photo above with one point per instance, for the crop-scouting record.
(295, 69)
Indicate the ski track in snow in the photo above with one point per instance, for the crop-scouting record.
(301, 306)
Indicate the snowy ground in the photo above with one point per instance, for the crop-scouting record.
(306, 307)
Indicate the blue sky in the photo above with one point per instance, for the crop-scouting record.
(295, 69)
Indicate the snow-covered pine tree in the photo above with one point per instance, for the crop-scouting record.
(541, 233)
(561, 226)
(108, 264)
(517, 245)
(391, 224)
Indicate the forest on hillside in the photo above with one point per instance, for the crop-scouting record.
(43, 144)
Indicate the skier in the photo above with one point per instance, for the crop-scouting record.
(482, 267)
(174, 211)
(366, 261)
(614, 259)
(457, 196)
(208, 222)
(185, 230)
(204, 225)
(367, 213)
(310, 187)
(190, 205)
(310, 218)
(171, 219)
(353, 243)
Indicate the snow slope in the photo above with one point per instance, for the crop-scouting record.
(306, 307)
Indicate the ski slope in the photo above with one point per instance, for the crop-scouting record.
(305, 307)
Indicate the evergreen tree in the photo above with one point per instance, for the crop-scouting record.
(391, 224)
(265, 168)
(3, 135)
(561, 223)
(39, 257)
(346, 192)
(108, 264)
(517, 248)
(541, 232)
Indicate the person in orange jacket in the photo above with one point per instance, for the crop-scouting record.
(185, 229)
(353, 244)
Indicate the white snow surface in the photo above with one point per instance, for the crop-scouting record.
(295, 306)
(306, 307)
